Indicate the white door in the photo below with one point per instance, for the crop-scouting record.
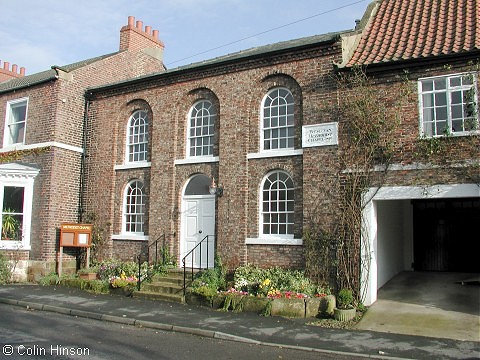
(198, 225)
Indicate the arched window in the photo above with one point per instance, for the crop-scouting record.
(137, 139)
(201, 129)
(278, 120)
(134, 207)
(277, 205)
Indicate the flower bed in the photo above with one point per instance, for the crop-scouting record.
(304, 307)
(271, 291)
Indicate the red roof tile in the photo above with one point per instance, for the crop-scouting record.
(413, 29)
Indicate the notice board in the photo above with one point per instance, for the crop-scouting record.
(75, 235)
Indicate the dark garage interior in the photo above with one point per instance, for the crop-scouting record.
(446, 235)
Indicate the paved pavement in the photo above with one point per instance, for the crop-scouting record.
(246, 327)
(435, 304)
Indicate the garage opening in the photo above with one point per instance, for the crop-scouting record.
(419, 229)
(446, 235)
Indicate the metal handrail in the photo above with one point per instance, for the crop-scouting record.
(192, 253)
(154, 243)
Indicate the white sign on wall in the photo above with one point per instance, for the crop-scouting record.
(320, 134)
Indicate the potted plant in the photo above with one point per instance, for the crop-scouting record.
(87, 273)
(345, 310)
(10, 225)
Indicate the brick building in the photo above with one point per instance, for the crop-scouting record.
(261, 126)
(423, 216)
(245, 151)
(42, 143)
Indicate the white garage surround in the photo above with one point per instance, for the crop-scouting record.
(387, 240)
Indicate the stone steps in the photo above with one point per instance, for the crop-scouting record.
(167, 287)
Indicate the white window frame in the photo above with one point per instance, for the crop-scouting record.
(449, 90)
(7, 138)
(263, 108)
(139, 139)
(278, 211)
(210, 128)
(125, 213)
(17, 175)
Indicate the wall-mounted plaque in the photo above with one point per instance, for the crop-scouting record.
(320, 134)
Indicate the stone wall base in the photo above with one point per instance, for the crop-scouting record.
(34, 270)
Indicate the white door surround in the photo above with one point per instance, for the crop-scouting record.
(197, 223)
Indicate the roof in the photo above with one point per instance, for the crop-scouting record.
(415, 29)
(252, 53)
(268, 49)
(45, 76)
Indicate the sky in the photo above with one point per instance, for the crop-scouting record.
(37, 34)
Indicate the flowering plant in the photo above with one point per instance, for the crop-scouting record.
(276, 294)
(235, 292)
(122, 281)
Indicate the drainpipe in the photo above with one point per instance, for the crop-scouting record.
(81, 193)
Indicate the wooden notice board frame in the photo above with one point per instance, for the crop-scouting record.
(75, 235)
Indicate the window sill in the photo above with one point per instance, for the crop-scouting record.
(273, 241)
(135, 237)
(21, 146)
(197, 160)
(275, 153)
(138, 165)
(13, 245)
(453, 134)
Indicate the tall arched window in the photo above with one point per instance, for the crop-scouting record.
(137, 139)
(278, 120)
(201, 129)
(277, 205)
(134, 207)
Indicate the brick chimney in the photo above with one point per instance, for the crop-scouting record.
(133, 37)
(6, 73)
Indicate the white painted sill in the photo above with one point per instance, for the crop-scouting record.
(273, 241)
(133, 237)
(129, 166)
(271, 154)
(197, 160)
(14, 245)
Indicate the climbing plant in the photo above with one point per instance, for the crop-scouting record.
(369, 123)
(15, 155)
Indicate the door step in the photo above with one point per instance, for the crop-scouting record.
(168, 287)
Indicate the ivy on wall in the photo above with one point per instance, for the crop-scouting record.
(14, 155)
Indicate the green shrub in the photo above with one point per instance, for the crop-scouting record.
(207, 283)
(345, 299)
(50, 279)
(111, 268)
(255, 281)
(5, 270)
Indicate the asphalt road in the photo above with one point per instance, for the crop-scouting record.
(30, 334)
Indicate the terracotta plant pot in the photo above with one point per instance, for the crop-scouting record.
(88, 276)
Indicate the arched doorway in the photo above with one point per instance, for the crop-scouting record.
(198, 222)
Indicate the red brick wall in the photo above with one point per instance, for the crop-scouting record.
(238, 93)
(55, 113)
(238, 90)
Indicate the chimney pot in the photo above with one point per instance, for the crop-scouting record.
(131, 21)
(155, 34)
(148, 30)
(6, 65)
(22, 71)
(139, 25)
(15, 68)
